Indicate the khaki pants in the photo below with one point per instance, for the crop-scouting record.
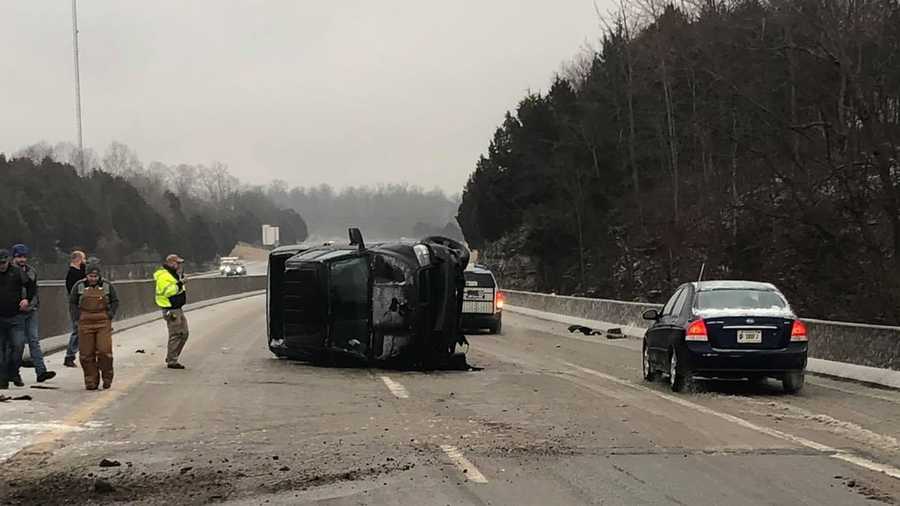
(178, 333)
(95, 352)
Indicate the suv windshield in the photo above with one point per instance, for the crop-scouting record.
(739, 299)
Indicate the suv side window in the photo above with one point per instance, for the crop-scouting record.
(667, 310)
(679, 304)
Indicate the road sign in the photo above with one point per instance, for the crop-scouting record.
(270, 235)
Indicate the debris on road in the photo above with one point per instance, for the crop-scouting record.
(44, 387)
(615, 333)
(4, 398)
(103, 487)
(584, 330)
(110, 463)
(140, 351)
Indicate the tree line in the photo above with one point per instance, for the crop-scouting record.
(126, 212)
(382, 212)
(757, 138)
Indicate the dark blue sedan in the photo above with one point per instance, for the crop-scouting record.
(725, 329)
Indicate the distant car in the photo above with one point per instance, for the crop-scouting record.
(483, 301)
(231, 266)
(397, 301)
(725, 329)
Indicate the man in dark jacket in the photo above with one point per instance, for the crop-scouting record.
(77, 262)
(16, 294)
(20, 254)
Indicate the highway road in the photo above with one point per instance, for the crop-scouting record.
(546, 418)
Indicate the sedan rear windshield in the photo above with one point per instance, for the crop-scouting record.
(740, 299)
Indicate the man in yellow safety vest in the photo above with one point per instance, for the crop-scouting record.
(171, 298)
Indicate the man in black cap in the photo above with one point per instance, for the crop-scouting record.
(20, 254)
(16, 294)
(77, 263)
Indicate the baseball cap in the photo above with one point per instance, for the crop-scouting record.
(4, 255)
(174, 258)
(20, 250)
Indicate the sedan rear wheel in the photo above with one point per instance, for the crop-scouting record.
(678, 376)
(793, 382)
(650, 374)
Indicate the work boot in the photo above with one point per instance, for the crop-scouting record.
(17, 381)
(107, 385)
(69, 362)
(90, 387)
(175, 365)
(46, 375)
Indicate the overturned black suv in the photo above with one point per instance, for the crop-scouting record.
(396, 301)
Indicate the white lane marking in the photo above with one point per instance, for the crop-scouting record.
(396, 388)
(833, 452)
(463, 464)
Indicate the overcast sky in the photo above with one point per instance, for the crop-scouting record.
(345, 93)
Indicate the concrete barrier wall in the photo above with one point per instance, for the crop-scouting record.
(869, 345)
(134, 271)
(137, 298)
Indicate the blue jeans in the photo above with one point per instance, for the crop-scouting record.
(33, 338)
(12, 345)
(72, 349)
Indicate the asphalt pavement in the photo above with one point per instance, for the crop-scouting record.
(545, 417)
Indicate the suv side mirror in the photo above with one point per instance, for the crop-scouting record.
(651, 314)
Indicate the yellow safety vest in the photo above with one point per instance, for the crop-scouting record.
(166, 286)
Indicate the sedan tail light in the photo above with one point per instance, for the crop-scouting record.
(696, 331)
(798, 332)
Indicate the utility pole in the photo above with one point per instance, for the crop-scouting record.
(81, 167)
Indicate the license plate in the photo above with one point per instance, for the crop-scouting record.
(479, 294)
(749, 336)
